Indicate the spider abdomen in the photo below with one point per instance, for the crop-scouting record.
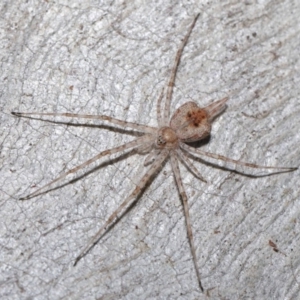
(190, 122)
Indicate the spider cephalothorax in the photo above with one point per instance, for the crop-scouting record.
(166, 138)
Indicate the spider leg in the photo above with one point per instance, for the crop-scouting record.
(174, 71)
(156, 165)
(225, 160)
(123, 147)
(139, 127)
(150, 158)
(158, 109)
(216, 108)
(176, 171)
(187, 162)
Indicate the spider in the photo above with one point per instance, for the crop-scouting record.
(189, 123)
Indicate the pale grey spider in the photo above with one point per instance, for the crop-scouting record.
(189, 123)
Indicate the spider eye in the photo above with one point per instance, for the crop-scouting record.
(160, 141)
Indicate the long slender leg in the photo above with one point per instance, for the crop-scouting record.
(131, 144)
(216, 108)
(158, 110)
(140, 127)
(174, 70)
(126, 203)
(184, 198)
(186, 161)
(225, 160)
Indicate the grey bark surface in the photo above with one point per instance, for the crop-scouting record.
(113, 58)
